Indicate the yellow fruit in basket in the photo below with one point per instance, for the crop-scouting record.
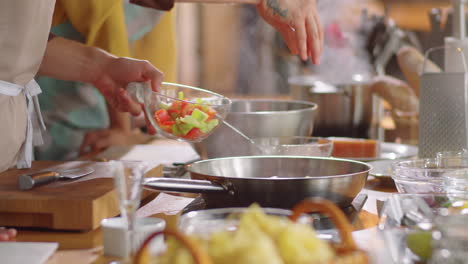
(419, 243)
(259, 238)
(298, 245)
(247, 245)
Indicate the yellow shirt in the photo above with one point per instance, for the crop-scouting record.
(102, 23)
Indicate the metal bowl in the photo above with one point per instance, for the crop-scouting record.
(258, 118)
(345, 110)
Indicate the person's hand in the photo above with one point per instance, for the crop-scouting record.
(116, 73)
(114, 77)
(298, 23)
(99, 140)
(7, 234)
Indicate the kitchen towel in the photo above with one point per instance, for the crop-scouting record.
(26, 252)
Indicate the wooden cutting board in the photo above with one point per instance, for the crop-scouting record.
(64, 205)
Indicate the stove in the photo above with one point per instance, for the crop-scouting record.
(320, 222)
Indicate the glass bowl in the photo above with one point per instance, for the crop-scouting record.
(408, 220)
(456, 181)
(205, 222)
(184, 112)
(292, 146)
(423, 175)
(420, 216)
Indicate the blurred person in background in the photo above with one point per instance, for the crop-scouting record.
(27, 51)
(77, 117)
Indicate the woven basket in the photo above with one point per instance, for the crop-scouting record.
(346, 252)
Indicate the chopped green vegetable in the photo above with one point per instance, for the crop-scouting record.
(185, 128)
(209, 126)
(180, 95)
(164, 105)
(188, 119)
(199, 115)
(176, 130)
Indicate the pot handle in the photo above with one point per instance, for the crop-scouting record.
(182, 185)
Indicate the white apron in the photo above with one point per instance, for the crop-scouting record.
(24, 30)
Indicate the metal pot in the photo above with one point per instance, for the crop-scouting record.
(271, 181)
(258, 118)
(345, 110)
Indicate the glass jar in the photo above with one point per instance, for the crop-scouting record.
(450, 240)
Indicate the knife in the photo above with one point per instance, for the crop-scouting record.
(28, 181)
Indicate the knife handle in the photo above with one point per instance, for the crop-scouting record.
(28, 181)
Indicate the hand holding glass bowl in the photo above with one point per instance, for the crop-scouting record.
(182, 112)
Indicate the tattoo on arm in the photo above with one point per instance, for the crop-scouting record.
(276, 9)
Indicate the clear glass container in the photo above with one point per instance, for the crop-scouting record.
(406, 215)
(450, 240)
(425, 175)
(182, 112)
(456, 181)
(292, 146)
(204, 222)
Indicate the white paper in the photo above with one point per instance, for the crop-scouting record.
(26, 252)
(164, 203)
(371, 241)
(164, 152)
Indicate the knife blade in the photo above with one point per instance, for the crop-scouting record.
(29, 181)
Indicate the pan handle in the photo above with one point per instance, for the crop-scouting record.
(182, 185)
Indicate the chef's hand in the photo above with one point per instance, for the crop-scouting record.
(117, 73)
(99, 140)
(7, 234)
(298, 23)
(73, 61)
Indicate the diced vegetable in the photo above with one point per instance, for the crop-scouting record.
(191, 121)
(164, 105)
(181, 95)
(193, 134)
(199, 115)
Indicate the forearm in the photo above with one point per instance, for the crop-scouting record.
(169, 4)
(72, 61)
(254, 2)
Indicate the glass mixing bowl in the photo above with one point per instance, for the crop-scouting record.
(423, 175)
(206, 222)
(182, 112)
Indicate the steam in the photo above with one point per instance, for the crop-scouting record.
(257, 73)
(266, 64)
(344, 54)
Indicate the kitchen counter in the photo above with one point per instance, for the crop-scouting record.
(86, 247)
(77, 248)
